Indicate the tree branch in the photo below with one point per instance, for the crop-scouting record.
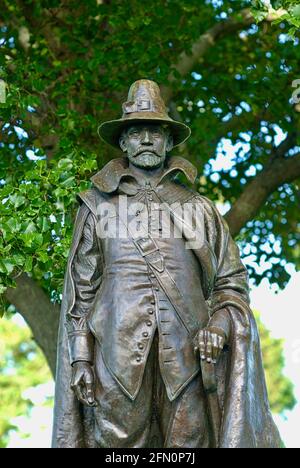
(187, 62)
(282, 170)
(40, 314)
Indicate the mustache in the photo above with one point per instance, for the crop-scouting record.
(143, 150)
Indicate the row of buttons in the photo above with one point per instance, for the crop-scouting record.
(145, 334)
(152, 218)
(149, 192)
(149, 323)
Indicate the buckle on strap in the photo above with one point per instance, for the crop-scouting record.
(146, 246)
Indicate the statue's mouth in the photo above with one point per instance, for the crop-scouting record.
(147, 152)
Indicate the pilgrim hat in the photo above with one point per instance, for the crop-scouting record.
(144, 104)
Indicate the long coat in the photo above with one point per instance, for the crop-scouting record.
(209, 277)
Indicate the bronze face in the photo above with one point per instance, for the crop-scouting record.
(146, 145)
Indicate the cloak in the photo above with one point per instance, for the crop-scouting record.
(246, 418)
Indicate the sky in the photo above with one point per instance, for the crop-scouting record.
(280, 314)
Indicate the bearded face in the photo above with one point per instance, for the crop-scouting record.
(146, 145)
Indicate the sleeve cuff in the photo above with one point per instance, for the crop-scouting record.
(81, 347)
(222, 300)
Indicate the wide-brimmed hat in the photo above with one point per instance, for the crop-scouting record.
(144, 104)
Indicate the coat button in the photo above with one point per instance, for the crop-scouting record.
(151, 311)
(145, 334)
(149, 323)
(141, 346)
(138, 359)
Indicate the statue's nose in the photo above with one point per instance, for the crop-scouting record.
(146, 140)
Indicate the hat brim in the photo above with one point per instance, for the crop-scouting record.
(111, 131)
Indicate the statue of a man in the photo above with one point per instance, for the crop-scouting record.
(148, 304)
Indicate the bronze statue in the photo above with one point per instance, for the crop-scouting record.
(157, 345)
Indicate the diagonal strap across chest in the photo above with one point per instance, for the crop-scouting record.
(149, 250)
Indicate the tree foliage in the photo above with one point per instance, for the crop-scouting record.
(280, 388)
(67, 67)
(287, 10)
(36, 240)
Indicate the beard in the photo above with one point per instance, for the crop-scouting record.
(146, 160)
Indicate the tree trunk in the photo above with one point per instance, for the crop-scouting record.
(40, 314)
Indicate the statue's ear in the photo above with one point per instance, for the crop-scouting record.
(122, 142)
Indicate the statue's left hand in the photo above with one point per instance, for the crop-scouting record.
(211, 340)
(210, 343)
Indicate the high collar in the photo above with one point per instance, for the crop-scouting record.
(109, 178)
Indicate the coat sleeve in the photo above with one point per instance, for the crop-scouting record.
(231, 286)
(86, 270)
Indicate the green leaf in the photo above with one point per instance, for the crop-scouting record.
(60, 193)
(19, 259)
(296, 11)
(43, 256)
(31, 227)
(68, 182)
(2, 267)
(28, 264)
(43, 224)
(14, 225)
(259, 15)
(65, 164)
(17, 200)
(7, 266)
(32, 240)
(89, 165)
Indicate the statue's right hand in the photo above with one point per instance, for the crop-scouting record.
(83, 383)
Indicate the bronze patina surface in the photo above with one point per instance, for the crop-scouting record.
(158, 345)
